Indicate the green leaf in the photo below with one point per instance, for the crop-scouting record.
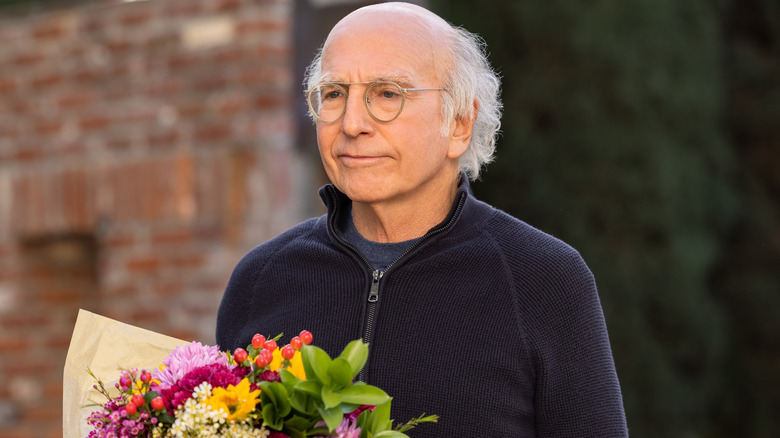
(270, 418)
(303, 403)
(316, 363)
(378, 418)
(287, 376)
(340, 372)
(330, 397)
(391, 434)
(319, 431)
(297, 423)
(282, 398)
(292, 433)
(356, 353)
(275, 402)
(332, 416)
(309, 387)
(364, 395)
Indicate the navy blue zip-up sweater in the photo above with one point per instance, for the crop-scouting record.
(487, 322)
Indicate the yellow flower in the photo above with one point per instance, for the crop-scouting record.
(296, 364)
(237, 400)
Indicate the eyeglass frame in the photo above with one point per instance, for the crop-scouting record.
(365, 98)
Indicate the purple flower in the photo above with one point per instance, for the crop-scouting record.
(347, 429)
(112, 421)
(184, 359)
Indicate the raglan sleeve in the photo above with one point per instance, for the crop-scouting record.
(577, 388)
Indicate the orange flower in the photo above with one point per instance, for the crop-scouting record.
(295, 367)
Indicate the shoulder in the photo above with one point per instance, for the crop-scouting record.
(305, 234)
(526, 248)
(238, 304)
(546, 272)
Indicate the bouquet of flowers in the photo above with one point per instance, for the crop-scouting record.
(294, 391)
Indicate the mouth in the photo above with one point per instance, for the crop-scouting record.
(359, 160)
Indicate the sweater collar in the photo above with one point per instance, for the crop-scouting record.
(336, 201)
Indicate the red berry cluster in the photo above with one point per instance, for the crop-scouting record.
(265, 349)
(137, 401)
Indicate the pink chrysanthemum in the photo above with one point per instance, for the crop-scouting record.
(184, 359)
(347, 429)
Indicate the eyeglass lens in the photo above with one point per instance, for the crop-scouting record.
(384, 100)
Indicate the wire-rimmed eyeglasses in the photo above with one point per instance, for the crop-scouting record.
(384, 100)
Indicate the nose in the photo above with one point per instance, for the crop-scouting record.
(356, 120)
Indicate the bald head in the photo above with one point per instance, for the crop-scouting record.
(394, 19)
(402, 27)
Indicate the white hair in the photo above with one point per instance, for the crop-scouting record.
(467, 78)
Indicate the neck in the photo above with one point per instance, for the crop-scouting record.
(404, 219)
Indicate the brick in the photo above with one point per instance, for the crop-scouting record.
(228, 5)
(60, 297)
(28, 154)
(169, 289)
(94, 122)
(118, 241)
(232, 106)
(20, 432)
(7, 85)
(183, 8)
(161, 139)
(180, 61)
(42, 413)
(27, 59)
(268, 102)
(229, 55)
(209, 84)
(23, 321)
(263, 25)
(48, 127)
(75, 99)
(193, 261)
(144, 264)
(13, 345)
(60, 343)
(136, 17)
(213, 133)
(191, 109)
(47, 80)
(118, 47)
(53, 390)
(54, 27)
(175, 237)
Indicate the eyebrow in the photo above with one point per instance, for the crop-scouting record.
(399, 78)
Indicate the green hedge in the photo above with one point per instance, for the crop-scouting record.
(619, 137)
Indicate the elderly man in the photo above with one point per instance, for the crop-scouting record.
(469, 313)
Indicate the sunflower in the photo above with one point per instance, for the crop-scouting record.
(238, 401)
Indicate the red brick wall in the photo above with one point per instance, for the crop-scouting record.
(144, 147)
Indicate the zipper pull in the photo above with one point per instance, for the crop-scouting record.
(373, 294)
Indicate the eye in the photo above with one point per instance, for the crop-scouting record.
(385, 91)
(332, 94)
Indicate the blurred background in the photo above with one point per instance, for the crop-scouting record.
(145, 146)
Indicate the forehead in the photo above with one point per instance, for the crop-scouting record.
(382, 47)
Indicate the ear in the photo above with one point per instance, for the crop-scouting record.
(460, 133)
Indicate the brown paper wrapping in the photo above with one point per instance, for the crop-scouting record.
(106, 347)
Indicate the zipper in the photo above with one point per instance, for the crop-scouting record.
(377, 274)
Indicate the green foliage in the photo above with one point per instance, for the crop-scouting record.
(292, 405)
(614, 140)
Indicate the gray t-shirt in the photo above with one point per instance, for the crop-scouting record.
(380, 255)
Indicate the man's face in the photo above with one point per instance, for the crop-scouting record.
(374, 162)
